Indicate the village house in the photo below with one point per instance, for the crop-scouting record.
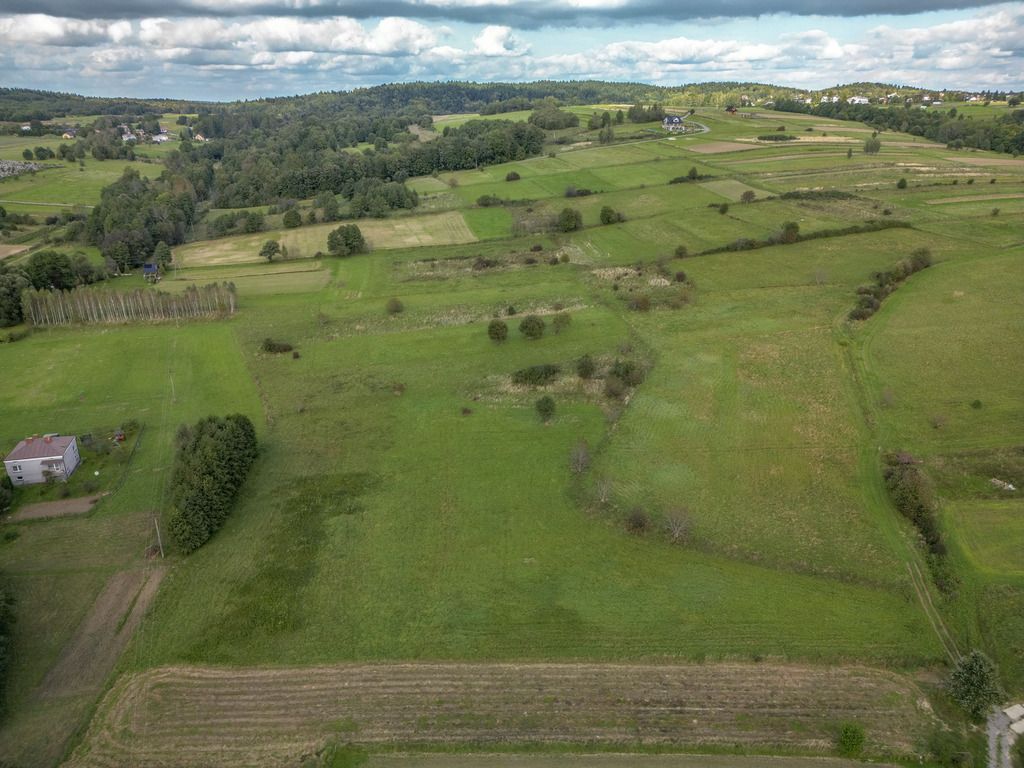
(673, 123)
(37, 459)
(857, 100)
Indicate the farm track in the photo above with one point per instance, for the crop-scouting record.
(186, 716)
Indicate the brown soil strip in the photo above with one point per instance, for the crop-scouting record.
(63, 508)
(606, 760)
(11, 250)
(93, 650)
(716, 147)
(972, 198)
(192, 716)
(1009, 162)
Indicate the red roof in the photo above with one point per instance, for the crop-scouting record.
(40, 448)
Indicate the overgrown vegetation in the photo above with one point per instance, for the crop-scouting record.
(872, 296)
(212, 460)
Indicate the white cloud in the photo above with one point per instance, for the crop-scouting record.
(498, 41)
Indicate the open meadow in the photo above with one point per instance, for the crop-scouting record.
(414, 537)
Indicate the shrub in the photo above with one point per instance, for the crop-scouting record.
(510, 310)
(776, 137)
(569, 220)
(970, 181)
(497, 330)
(276, 347)
(637, 521)
(614, 387)
(872, 146)
(579, 458)
(995, 211)
(545, 408)
(680, 277)
(395, 306)
(974, 684)
(723, 208)
(850, 742)
(480, 263)
(532, 327)
(586, 367)
(748, 196)
(561, 321)
(901, 184)
(536, 375)
(640, 303)
(488, 201)
(976, 405)
(536, 247)
(681, 252)
(512, 176)
(610, 216)
(678, 526)
(628, 371)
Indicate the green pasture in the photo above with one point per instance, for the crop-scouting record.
(49, 191)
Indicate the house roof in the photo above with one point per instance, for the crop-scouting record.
(1016, 712)
(673, 119)
(40, 448)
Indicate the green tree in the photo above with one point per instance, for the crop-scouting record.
(497, 330)
(723, 208)
(162, 253)
(693, 174)
(12, 284)
(346, 240)
(974, 684)
(570, 219)
(270, 249)
(872, 146)
(560, 322)
(609, 215)
(331, 209)
(395, 306)
(748, 196)
(849, 153)
(532, 327)
(545, 408)
(292, 218)
(27, 154)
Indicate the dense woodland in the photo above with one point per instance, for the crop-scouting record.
(1001, 134)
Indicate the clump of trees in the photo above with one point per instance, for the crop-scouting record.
(776, 137)
(570, 219)
(610, 216)
(536, 375)
(346, 240)
(974, 684)
(884, 283)
(273, 347)
(913, 494)
(872, 145)
(551, 118)
(212, 460)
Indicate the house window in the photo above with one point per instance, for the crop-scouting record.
(16, 467)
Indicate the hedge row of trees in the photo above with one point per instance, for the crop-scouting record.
(1004, 133)
(884, 283)
(42, 270)
(92, 304)
(212, 461)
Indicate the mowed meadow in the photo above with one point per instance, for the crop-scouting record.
(410, 505)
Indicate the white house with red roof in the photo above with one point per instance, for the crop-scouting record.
(35, 459)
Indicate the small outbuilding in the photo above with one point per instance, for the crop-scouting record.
(1015, 713)
(37, 459)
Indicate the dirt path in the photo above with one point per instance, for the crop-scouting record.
(92, 651)
(191, 716)
(76, 506)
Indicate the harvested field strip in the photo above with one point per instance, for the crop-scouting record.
(605, 760)
(91, 653)
(972, 198)
(717, 147)
(202, 716)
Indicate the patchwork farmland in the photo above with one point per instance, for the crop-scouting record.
(418, 562)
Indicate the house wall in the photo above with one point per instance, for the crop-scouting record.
(30, 471)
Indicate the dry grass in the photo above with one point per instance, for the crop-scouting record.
(186, 716)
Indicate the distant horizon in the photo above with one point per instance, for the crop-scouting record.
(350, 89)
(250, 49)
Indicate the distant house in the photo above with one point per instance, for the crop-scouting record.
(673, 123)
(70, 133)
(858, 100)
(35, 459)
(26, 128)
(199, 137)
(160, 138)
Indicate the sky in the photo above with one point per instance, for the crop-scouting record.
(245, 49)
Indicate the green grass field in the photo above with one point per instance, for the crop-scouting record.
(409, 504)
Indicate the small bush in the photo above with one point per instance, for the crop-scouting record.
(545, 408)
(680, 276)
(488, 201)
(512, 176)
(536, 247)
(723, 208)
(640, 303)
(681, 252)
(395, 306)
(627, 370)
(995, 211)
(579, 458)
(497, 330)
(536, 375)
(586, 367)
(614, 387)
(560, 322)
(901, 184)
(276, 347)
(532, 327)
(976, 405)
(850, 742)
(637, 522)
(510, 310)
(970, 181)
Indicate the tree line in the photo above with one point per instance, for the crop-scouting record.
(212, 460)
(101, 305)
(1003, 133)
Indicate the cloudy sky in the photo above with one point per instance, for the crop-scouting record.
(227, 49)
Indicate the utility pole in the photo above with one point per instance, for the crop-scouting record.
(159, 540)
